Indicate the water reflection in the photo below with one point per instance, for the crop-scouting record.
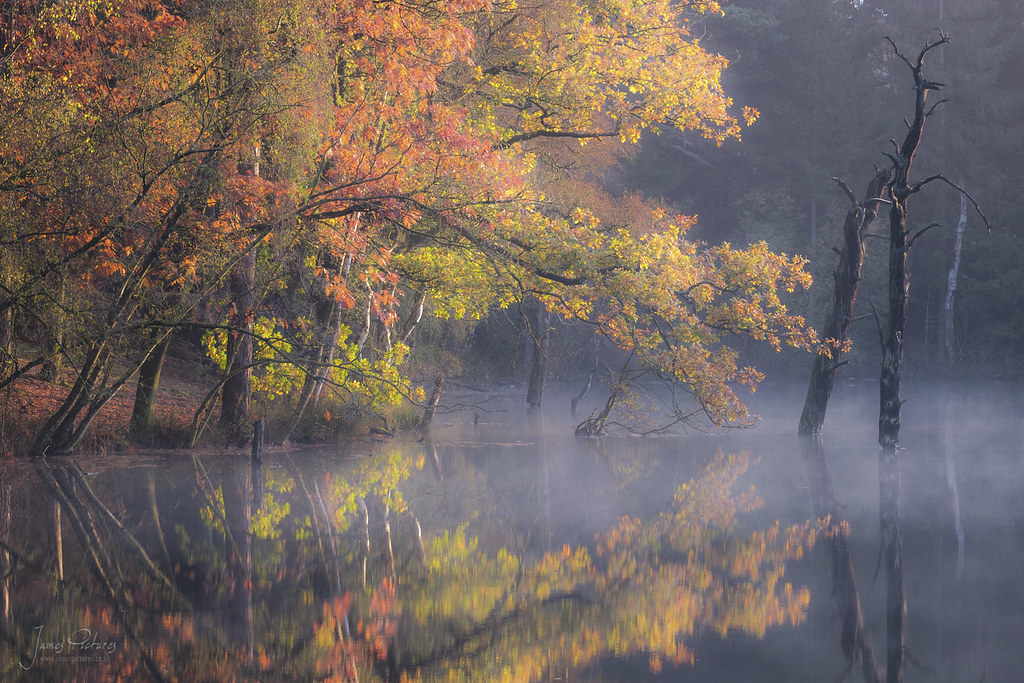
(854, 639)
(455, 561)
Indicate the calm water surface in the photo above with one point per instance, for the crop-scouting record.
(506, 549)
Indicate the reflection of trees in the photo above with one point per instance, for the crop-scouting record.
(646, 587)
(853, 639)
(121, 571)
(892, 556)
(273, 587)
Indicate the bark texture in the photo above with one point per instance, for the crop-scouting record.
(144, 409)
(900, 241)
(236, 400)
(846, 280)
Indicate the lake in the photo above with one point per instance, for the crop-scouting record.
(501, 548)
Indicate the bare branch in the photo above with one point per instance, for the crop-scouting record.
(846, 189)
(898, 53)
(941, 178)
(920, 232)
(935, 106)
(943, 38)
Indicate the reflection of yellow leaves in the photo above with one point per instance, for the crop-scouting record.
(653, 585)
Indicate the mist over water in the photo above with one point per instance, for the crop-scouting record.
(501, 482)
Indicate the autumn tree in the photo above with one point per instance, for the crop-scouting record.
(93, 207)
(621, 69)
(391, 159)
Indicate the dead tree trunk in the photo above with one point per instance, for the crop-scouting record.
(900, 241)
(846, 279)
(951, 280)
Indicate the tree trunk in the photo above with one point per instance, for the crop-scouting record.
(847, 278)
(50, 371)
(951, 280)
(892, 344)
(900, 241)
(236, 398)
(6, 326)
(63, 431)
(144, 410)
(329, 311)
(574, 403)
(435, 398)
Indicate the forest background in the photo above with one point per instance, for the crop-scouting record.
(329, 212)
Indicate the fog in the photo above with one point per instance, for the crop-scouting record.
(600, 548)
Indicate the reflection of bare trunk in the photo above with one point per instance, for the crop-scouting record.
(58, 542)
(436, 459)
(954, 494)
(258, 484)
(545, 494)
(387, 540)
(417, 539)
(334, 562)
(892, 554)
(154, 510)
(366, 537)
(853, 639)
(237, 510)
(846, 279)
(323, 529)
(79, 502)
(5, 557)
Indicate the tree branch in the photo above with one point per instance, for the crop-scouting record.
(920, 232)
(846, 189)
